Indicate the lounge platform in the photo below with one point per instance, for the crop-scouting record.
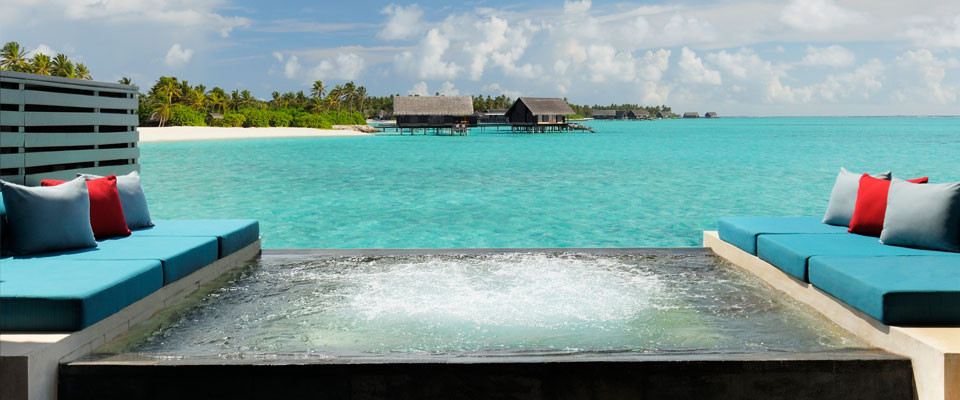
(59, 306)
(902, 300)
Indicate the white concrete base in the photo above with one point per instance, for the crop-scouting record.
(935, 352)
(29, 361)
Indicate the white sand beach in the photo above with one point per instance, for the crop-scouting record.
(184, 133)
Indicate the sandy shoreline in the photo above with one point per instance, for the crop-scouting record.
(184, 133)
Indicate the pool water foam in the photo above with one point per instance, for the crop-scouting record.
(508, 303)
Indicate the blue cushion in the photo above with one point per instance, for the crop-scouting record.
(48, 218)
(69, 295)
(232, 234)
(904, 290)
(742, 231)
(180, 255)
(790, 252)
(3, 228)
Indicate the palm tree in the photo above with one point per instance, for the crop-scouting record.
(349, 94)
(316, 105)
(246, 98)
(83, 72)
(196, 100)
(40, 64)
(234, 100)
(361, 95)
(62, 66)
(14, 58)
(318, 90)
(161, 110)
(125, 81)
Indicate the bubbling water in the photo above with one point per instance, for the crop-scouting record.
(517, 302)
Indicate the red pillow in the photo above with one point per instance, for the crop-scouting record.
(106, 212)
(872, 205)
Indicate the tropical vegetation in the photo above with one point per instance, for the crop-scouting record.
(13, 57)
(172, 101)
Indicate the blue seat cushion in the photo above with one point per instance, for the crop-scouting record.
(790, 252)
(180, 256)
(743, 231)
(69, 295)
(896, 290)
(231, 234)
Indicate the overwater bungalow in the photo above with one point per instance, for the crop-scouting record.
(663, 114)
(710, 114)
(638, 114)
(493, 116)
(434, 112)
(609, 114)
(691, 114)
(539, 114)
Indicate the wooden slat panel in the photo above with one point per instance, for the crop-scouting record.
(75, 156)
(11, 139)
(11, 118)
(12, 160)
(77, 100)
(68, 174)
(53, 81)
(62, 119)
(78, 139)
(11, 96)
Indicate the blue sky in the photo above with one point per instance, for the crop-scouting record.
(737, 57)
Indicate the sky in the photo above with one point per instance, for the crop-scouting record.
(737, 57)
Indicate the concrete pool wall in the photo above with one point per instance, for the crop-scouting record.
(934, 351)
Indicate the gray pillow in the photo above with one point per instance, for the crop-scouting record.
(923, 216)
(132, 199)
(843, 198)
(50, 218)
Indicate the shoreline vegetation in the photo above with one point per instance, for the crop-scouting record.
(175, 102)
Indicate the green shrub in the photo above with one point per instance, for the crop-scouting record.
(311, 121)
(255, 118)
(181, 115)
(229, 120)
(280, 119)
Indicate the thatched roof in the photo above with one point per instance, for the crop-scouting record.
(691, 114)
(215, 116)
(710, 114)
(433, 105)
(663, 114)
(605, 113)
(545, 105)
(640, 113)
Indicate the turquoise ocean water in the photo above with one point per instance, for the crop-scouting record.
(632, 184)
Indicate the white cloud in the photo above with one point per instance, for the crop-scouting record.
(346, 66)
(861, 84)
(832, 56)
(654, 64)
(447, 89)
(278, 55)
(819, 15)
(692, 69)
(429, 62)
(490, 87)
(402, 22)
(178, 56)
(419, 89)
(292, 67)
(931, 34)
(607, 64)
(686, 30)
(44, 49)
(928, 72)
(576, 7)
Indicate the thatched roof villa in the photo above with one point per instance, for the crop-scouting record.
(439, 112)
(710, 114)
(604, 114)
(638, 114)
(539, 113)
(663, 114)
(691, 114)
(493, 116)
